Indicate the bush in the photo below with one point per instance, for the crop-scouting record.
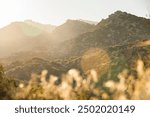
(75, 87)
(7, 86)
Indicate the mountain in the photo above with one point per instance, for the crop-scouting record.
(71, 29)
(118, 29)
(24, 36)
(21, 38)
(110, 46)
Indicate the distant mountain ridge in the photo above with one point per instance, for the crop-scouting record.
(32, 36)
(71, 29)
(22, 36)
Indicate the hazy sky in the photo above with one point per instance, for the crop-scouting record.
(57, 11)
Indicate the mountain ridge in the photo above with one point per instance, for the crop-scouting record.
(118, 28)
(114, 42)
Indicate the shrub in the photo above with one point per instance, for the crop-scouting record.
(73, 86)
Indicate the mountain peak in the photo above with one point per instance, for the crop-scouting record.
(120, 18)
(120, 15)
(71, 29)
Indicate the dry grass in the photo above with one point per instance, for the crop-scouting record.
(75, 87)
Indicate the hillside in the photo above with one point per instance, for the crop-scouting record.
(118, 29)
(71, 29)
(111, 45)
(107, 62)
(23, 69)
(23, 36)
(28, 39)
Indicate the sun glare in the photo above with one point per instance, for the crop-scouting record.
(56, 12)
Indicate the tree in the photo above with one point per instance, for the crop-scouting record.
(1, 71)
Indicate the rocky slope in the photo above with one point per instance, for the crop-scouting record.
(118, 29)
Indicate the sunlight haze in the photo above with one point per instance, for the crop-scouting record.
(57, 12)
